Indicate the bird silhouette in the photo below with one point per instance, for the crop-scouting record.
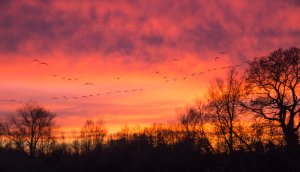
(35, 60)
(216, 58)
(88, 83)
(43, 63)
(223, 52)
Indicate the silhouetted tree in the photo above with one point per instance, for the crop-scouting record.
(273, 89)
(224, 97)
(31, 129)
(92, 135)
(1, 134)
(194, 134)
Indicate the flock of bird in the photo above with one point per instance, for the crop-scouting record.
(98, 94)
(195, 74)
(165, 78)
(39, 62)
(11, 101)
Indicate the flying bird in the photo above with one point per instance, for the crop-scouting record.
(43, 63)
(35, 60)
(216, 58)
(88, 83)
(223, 52)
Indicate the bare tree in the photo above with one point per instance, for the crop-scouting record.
(224, 97)
(92, 135)
(1, 134)
(193, 124)
(31, 129)
(273, 89)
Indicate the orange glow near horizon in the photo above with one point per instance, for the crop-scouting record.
(144, 59)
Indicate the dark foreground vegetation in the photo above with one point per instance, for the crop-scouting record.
(250, 122)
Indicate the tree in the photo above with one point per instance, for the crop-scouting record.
(273, 90)
(1, 134)
(194, 133)
(92, 135)
(224, 97)
(31, 129)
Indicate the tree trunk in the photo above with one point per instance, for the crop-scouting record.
(291, 139)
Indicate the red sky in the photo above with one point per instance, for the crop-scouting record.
(100, 41)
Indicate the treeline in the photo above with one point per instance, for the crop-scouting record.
(249, 122)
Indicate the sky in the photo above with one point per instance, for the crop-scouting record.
(133, 62)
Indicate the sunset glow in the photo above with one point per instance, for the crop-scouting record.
(130, 62)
